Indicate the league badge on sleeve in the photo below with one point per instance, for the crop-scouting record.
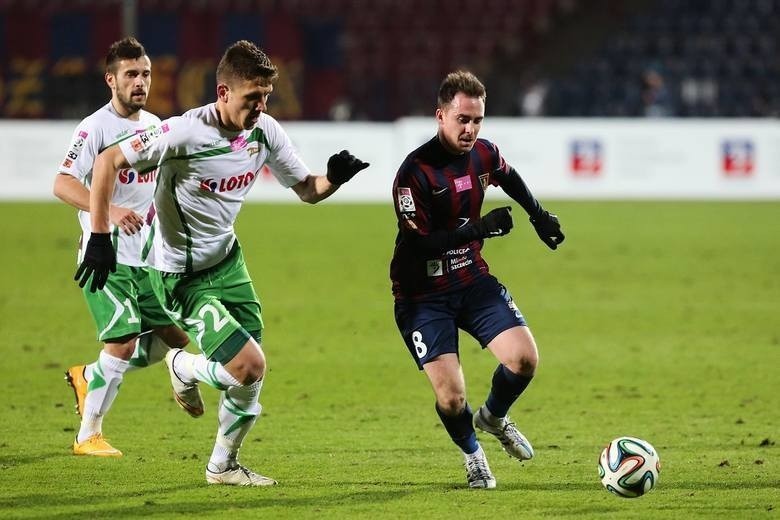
(144, 138)
(406, 201)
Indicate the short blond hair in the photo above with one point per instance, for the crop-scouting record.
(460, 81)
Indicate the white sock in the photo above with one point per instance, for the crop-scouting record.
(195, 367)
(149, 349)
(238, 412)
(104, 380)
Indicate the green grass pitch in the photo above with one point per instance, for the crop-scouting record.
(659, 320)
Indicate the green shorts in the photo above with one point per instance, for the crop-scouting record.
(126, 306)
(217, 306)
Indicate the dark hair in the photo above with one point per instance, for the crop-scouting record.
(460, 81)
(244, 60)
(125, 49)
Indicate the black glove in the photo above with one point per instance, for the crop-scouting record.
(496, 223)
(343, 166)
(99, 260)
(548, 228)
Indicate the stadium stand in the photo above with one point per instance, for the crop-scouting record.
(381, 60)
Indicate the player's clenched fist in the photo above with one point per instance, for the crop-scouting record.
(99, 261)
(549, 229)
(496, 223)
(343, 166)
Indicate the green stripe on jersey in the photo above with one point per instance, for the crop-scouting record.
(149, 241)
(185, 227)
(257, 136)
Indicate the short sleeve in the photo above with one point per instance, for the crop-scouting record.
(284, 161)
(84, 147)
(146, 150)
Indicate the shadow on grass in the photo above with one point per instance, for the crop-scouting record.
(506, 485)
(10, 461)
(196, 498)
(227, 500)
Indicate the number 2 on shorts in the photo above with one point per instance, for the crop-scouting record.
(200, 324)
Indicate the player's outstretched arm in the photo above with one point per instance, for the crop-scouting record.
(341, 168)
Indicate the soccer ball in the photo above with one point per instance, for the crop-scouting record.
(628, 467)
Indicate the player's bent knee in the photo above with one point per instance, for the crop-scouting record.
(250, 372)
(523, 365)
(121, 348)
(451, 405)
(528, 364)
(248, 366)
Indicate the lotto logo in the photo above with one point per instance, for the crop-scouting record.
(737, 157)
(228, 184)
(586, 157)
(126, 176)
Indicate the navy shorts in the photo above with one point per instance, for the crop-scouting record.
(429, 327)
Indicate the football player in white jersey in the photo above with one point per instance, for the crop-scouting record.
(207, 161)
(126, 309)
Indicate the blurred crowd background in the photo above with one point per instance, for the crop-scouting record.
(379, 60)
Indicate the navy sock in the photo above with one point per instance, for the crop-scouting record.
(461, 429)
(507, 387)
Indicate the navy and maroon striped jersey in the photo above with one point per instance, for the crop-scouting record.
(436, 190)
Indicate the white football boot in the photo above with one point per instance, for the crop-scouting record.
(187, 395)
(238, 476)
(478, 472)
(514, 442)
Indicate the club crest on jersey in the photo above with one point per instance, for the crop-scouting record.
(238, 143)
(484, 181)
(406, 201)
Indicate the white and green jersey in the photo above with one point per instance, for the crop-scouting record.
(132, 190)
(204, 175)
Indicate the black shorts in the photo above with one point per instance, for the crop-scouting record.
(429, 327)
